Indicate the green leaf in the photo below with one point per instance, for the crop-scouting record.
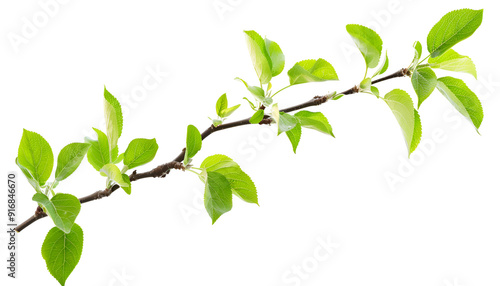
(453, 61)
(314, 120)
(113, 173)
(62, 208)
(119, 158)
(311, 71)
(113, 117)
(241, 184)
(275, 113)
(218, 196)
(139, 152)
(374, 90)
(462, 98)
(62, 251)
(382, 68)
(193, 143)
(424, 82)
(221, 104)
(294, 136)
(369, 43)
(402, 107)
(417, 132)
(277, 57)
(286, 122)
(366, 85)
(34, 183)
(35, 155)
(260, 58)
(256, 91)
(417, 46)
(98, 153)
(257, 116)
(228, 111)
(69, 159)
(126, 179)
(453, 28)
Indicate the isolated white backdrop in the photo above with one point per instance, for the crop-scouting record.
(168, 61)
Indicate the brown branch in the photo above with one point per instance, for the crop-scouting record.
(164, 169)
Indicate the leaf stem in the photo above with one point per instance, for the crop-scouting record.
(280, 90)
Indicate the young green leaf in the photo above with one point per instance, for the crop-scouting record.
(314, 120)
(417, 132)
(368, 42)
(36, 156)
(34, 183)
(402, 107)
(294, 136)
(375, 91)
(62, 251)
(241, 184)
(260, 58)
(139, 152)
(228, 111)
(221, 104)
(286, 122)
(62, 208)
(256, 91)
(366, 85)
(462, 98)
(98, 154)
(417, 46)
(275, 113)
(193, 143)
(453, 61)
(453, 28)
(257, 117)
(424, 82)
(113, 117)
(113, 173)
(312, 71)
(119, 158)
(218, 196)
(277, 57)
(126, 179)
(382, 68)
(69, 159)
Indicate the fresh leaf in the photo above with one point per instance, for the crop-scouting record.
(69, 159)
(312, 71)
(277, 57)
(113, 173)
(417, 132)
(401, 106)
(453, 28)
(62, 208)
(98, 153)
(424, 82)
(250, 103)
(256, 91)
(34, 183)
(368, 42)
(193, 143)
(366, 85)
(126, 179)
(417, 46)
(119, 158)
(382, 68)
(139, 152)
(275, 113)
(35, 155)
(294, 136)
(221, 105)
(453, 61)
(241, 184)
(257, 116)
(218, 196)
(228, 111)
(462, 98)
(286, 122)
(314, 120)
(62, 251)
(260, 58)
(375, 91)
(113, 117)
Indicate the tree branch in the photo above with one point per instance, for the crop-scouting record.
(162, 170)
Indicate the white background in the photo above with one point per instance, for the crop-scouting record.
(438, 225)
